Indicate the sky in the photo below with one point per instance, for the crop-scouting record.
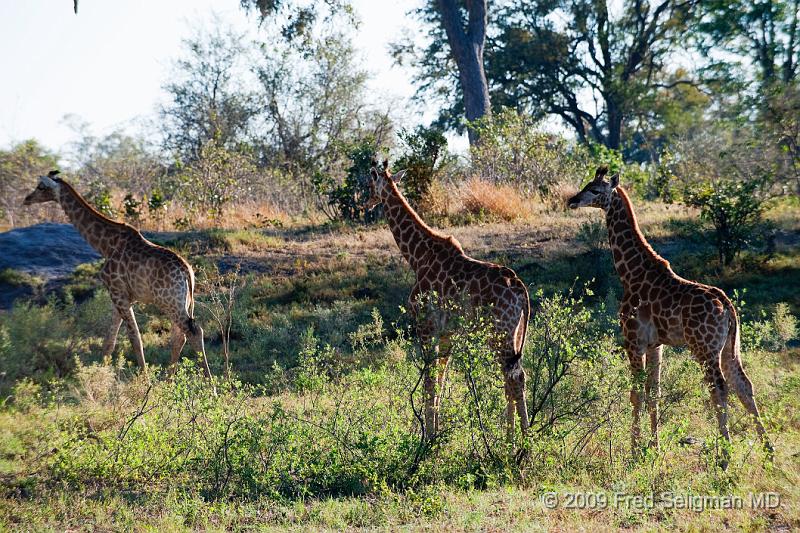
(107, 64)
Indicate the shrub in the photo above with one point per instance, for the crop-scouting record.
(37, 342)
(216, 178)
(513, 150)
(734, 208)
(425, 153)
(569, 364)
(346, 200)
(132, 209)
(784, 324)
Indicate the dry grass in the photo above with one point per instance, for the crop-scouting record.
(502, 202)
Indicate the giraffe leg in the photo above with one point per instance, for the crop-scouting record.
(134, 335)
(636, 360)
(719, 398)
(515, 394)
(178, 341)
(510, 409)
(429, 385)
(652, 388)
(741, 384)
(110, 341)
(194, 333)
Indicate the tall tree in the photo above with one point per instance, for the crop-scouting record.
(451, 66)
(582, 62)
(764, 33)
(467, 39)
(206, 99)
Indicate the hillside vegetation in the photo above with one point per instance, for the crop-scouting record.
(315, 426)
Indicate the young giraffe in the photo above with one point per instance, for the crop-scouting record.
(659, 307)
(135, 270)
(441, 266)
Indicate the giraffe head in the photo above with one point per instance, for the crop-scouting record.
(47, 190)
(380, 183)
(597, 192)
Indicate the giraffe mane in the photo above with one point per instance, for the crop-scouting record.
(90, 207)
(637, 232)
(442, 237)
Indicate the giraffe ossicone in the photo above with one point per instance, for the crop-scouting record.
(659, 308)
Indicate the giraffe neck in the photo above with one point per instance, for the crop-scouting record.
(412, 235)
(633, 255)
(102, 234)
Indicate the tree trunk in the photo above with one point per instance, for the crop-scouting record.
(466, 48)
(614, 138)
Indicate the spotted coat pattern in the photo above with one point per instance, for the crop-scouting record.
(135, 270)
(659, 308)
(441, 266)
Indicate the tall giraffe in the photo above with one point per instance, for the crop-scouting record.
(659, 307)
(135, 270)
(441, 266)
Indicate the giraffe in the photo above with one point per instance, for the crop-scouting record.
(135, 270)
(659, 308)
(441, 266)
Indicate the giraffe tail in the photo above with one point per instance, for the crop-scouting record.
(191, 326)
(734, 344)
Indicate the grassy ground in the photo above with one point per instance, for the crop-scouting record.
(334, 293)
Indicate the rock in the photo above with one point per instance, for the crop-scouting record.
(47, 250)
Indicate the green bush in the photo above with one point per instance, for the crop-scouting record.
(734, 209)
(217, 177)
(424, 155)
(513, 149)
(37, 343)
(347, 200)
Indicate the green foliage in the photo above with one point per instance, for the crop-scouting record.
(424, 155)
(514, 150)
(17, 278)
(38, 343)
(784, 324)
(593, 234)
(735, 210)
(132, 209)
(764, 331)
(347, 200)
(206, 100)
(603, 155)
(573, 377)
(216, 178)
(759, 33)
(99, 195)
(316, 364)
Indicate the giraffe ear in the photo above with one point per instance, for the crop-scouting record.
(615, 181)
(601, 172)
(399, 175)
